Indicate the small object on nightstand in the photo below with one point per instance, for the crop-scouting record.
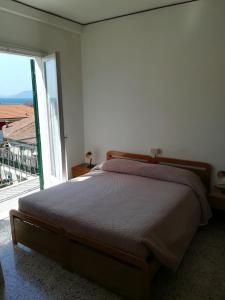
(80, 169)
(217, 199)
(89, 158)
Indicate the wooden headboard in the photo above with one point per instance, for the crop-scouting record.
(132, 156)
(203, 170)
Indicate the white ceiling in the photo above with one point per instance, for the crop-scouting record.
(87, 11)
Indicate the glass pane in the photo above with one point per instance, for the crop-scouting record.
(53, 117)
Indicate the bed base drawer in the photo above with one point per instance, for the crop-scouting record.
(113, 274)
(48, 243)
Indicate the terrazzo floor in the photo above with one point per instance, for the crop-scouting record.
(29, 275)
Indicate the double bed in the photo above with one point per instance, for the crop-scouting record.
(119, 223)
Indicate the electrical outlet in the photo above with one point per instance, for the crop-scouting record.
(155, 151)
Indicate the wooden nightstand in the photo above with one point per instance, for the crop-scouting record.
(80, 170)
(217, 199)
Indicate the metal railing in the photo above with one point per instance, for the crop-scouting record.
(17, 164)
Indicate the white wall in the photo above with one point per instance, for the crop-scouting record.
(28, 33)
(157, 79)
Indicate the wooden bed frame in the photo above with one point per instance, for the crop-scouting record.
(115, 269)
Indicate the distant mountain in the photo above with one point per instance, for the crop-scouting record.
(21, 95)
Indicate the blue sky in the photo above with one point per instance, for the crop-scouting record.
(15, 75)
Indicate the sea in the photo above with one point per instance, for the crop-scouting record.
(15, 100)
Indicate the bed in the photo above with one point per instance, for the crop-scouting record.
(119, 223)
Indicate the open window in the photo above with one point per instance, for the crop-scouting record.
(47, 95)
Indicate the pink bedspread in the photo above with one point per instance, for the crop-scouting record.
(129, 207)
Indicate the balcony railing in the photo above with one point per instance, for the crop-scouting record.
(17, 164)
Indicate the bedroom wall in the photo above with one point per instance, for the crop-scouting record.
(36, 33)
(157, 79)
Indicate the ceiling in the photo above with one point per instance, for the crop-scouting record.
(89, 11)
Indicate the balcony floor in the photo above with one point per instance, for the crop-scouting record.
(21, 188)
(9, 195)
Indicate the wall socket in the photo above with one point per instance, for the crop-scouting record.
(155, 151)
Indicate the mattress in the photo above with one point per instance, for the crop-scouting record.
(128, 211)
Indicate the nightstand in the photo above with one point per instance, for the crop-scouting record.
(80, 170)
(217, 199)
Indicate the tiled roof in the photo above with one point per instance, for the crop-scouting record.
(22, 131)
(15, 111)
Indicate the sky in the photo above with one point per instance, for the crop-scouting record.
(15, 74)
